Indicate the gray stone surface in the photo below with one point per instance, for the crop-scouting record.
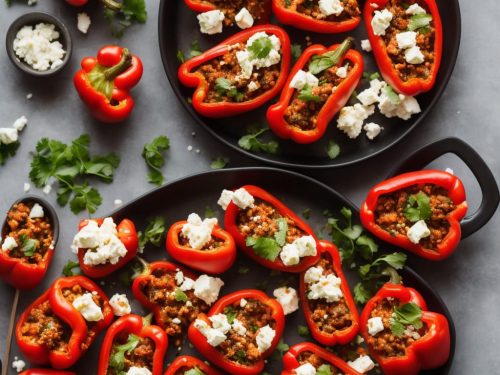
(468, 281)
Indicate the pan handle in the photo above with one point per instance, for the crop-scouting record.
(489, 188)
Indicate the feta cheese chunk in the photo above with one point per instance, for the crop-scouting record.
(351, 119)
(244, 19)
(375, 325)
(264, 338)
(36, 211)
(239, 328)
(198, 232)
(381, 21)
(138, 371)
(207, 288)
(243, 198)
(406, 39)
(306, 246)
(362, 364)
(8, 135)
(214, 337)
(187, 284)
(26, 187)
(18, 364)
(243, 302)
(47, 189)
(415, 9)
(327, 287)
(341, 72)
(247, 62)
(20, 123)
(305, 369)
(220, 323)
(372, 130)
(211, 22)
(404, 108)
(366, 45)
(252, 86)
(288, 299)
(225, 198)
(418, 231)
(88, 308)
(289, 255)
(118, 202)
(313, 275)
(120, 304)
(9, 243)
(176, 321)
(302, 78)
(414, 55)
(83, 22)
(329, 7)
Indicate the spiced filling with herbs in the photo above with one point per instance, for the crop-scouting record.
(312, 9)
(319, 364)
(231, 8)
(131, 351)
(398, 211)
(33, 236)
(213, 244)
(189, 371)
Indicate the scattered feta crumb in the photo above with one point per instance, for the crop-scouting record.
(264, 338)
(327, 287)
(289, 255)
(370, 95)
(26, 187)
(214, 336)
(414, 55)
(406, 39)
(211, 22)
(20, 123)
(220, 323)
(305, 369)
(288, 299)
(329, 7)
(176, 321)
(83, 22)
(418, 231)
(9, 243)
(313, 275)
(8, 135)
(18, 364)
(248, 62)
(341, 72)
(207, 288)
(88, 308)
(138, 371)
(404, 107)
(118, 202)
(302, 78)
(415, 9)
(366, 45)
(120, 304)
(252, 86)
(32, 2)
(372, 130)
(375, 325)
(189, 148)
(381, 21)
(197, 151)
(243, 198)
(243, 302)
(36, 211)
(351, 119)
(197, 231)
(244, 19)
(362, 364)
(47, 189)
(193, 134)
(225, 198)
(29, 95)
(239, 328)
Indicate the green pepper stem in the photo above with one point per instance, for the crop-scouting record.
(144, 264)
(341, 50)
(112, 5)
(124, 63)
(146, 320)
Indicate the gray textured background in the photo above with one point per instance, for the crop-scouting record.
(468, 281)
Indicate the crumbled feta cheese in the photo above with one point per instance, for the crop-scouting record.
(239, 328)
(26, 187)
(9, 243)
(214, 337)
(189, 148)
(243, 198)
(290, 255)
(351, 119)
(406, 39)
(8, 135)
(187, 284)
(418, 231)
(244, 19)
(88, 308)
(29, 96)
(220, 323)
(264, 338)
(32, 2)
(207, 288)
(313, 275)
(20, 123)
(247, 63)
(375, 325)
(243, 302)
(47, 189)
(341, 72)
(36, 211)
(370, 95)
(211, 22)
(306, 246)
(381, 21)
(18, 364)
(179, 277)
(362, 364)
(327, 287)
(225, 198)
(415, 9)
(120, 304)
(288, 299)
(372, 130)
(83, 22)
(252, 86)
(329, 7)
(138, 371)
(366, 45)
(198, 232)
(305, 369)
(404, 108)
(414, 55)
(176, 321)
(302, 78)
(118, 202)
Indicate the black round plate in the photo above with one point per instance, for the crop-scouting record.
(178, 28)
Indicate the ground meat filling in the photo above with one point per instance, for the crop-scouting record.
(227, 66)
(390, 213)
(231, 8)
(254, 315)
(311, 9)
(425, 40)
(141, 356)
(385, 343)
(316, 361)
(23, 228)
(160, 288)
(329, 316)
(304, 114)
(213, 244)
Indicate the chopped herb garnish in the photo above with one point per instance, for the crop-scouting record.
(324, 369)
(303, 331)
(224, 86)
(371, 76)
(180, 295)
(280, 235)
(264, 247)
(195, 49)
(219, 163)
(419, 21)
(322, 62)
(251, 141)
(307, 95)
(281, 348)
(332, 150)
(28, 245)
(153, 154)
(407, 314)
(180, 56)
(117, 360)
(130, 272)
(153, 233)
(69, 268)
(129, 12)
(391, 94)
(418, 207)
(260, 48)
(7, 151)
(231, 314)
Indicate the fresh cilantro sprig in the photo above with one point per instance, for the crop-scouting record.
(123, 16)
(153, 233)
(306, 95)
(231, 314)
(371, 76)
(117, 360)
(268, 247)
(7, 151)
(332, 150)
(280, 350)
(420, 22)
(251, 141)
(70, 267)
(194, 50)
(224, 87)
(324, 369)
(418, 207)
(28, 245)
(153, 154)
(303, 331)
(180, 295)
(260, 48)
(407, 314)
(219, 163)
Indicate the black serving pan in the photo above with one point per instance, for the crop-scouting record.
(178, 27)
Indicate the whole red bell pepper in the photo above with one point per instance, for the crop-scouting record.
(214, 355)
(186, 363)
(330, 252)
(231, 225)
(45, 371)
(429, 351)
(287, 16)
(139, 327)
(82, 334)
(456, 192)
(191, 78)
(104, 83)
(213, 261)
(335, 102)
(413, 86)
(127, 235)
(291, 358)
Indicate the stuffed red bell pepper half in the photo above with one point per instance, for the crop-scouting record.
(319, 85)
(240, 331)
(417, 211)
(268, 231)
(187, 365)
(401, 334)
(240, 74)
(45, 371)
(407, 41)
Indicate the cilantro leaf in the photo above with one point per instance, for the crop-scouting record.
(121, 17)
(28, 245)
(361, 293)
(251, 142)
(231, 314)
(153, 154)
(303, 331)
(264, 247)
(260, 48)
(69, 267)
(324, 369)
(419, 21)
(225, 87)
(307, 95)
(180, 295)
(180, 56)
(407, 314)
(7, 151)
(85, 198)
(397, 328)
(117, 360)
(280, 235)
(367, 246)
(281, 348)
(332, 150)
(210, 212)
(422, 210)
(195, 49)
(153, 233)
(219, 163)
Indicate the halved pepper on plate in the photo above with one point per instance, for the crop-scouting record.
(401, 334)
(417, 211)
(214, 253)
(75, 310)
(327, 302)
(319, 85)
(45, 371)
(239, 332)
(407, 41)
(339, 17)
(268, 231)
(132, 342)
(240, 74)
(186, 363)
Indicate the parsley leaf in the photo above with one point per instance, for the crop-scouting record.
(153, 232)
(28, 245)
(180, 295)
(324, 369)
(260, 48)
(307, 95)
(422, 211)
(251, 142)
(219, 163)
(195, 49)
(280, 235)
(180, 56)
(117, 360)
(371, 76)
(419, 21)
(7, 151)
(264, 247)
(407, 314)
(332, 150)
(224, 86)
(153, 154)
(121, 17)
(319, 63)
(303, 331)
(361, 294)
(69, 267)
(231, 314)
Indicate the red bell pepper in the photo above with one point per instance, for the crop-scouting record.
(110, 4)
(291, 358)
(127, 235)
(214, 261)
(214, 355)
(303, 21)
(82, 334)
(21, 274)
(45, 371)
(330, 252)
(456, 192)
(104, 83)
(231, 225)
(335, 102)
(138, 326)
(186, 363)
(191, 78)
(413, 86)
(430, 351)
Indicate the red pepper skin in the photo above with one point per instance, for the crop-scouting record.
(77, 3)
(188, 362)
(201, 6)
(430, 351)
(213, 261)
(290, 359)
(412, 86)
(304, 22)
(211, 353)
(45, 371)
(133, 324)
(99, 105)
(449, 182)
(337, 100)
(231, 226)
(127, 235)
(224, 109)
(329, 250)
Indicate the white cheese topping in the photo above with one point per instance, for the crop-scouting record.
(225, 198)
(187, 284)
(341, 72)
(176, 321)
(8, 135)
(404, 109)
(36, 211)
(214, 336)
(289, 255)
(381, 21)
(252, 86)
(375, 325)
(239, 328)
(83, 22)
(366, 45)
(118, 202)
(370, 95)
(47, 189)
(211, 22)
(244, 19)
(120, 304)
(88, 308)
(18, 364)
(198, 232)
(301, 247)
(415, 9)
(372, 130)
(220, 322)
(288, 299)
(20, 123)
(248, 63)
(406, 39)
(26, 187)
(351, 119)
(302, 78)
(9, 243)
(207, 288)
(362, 364)
(414, 55)
(327, 287)
(313, 275)
(264, 338)
(418, 231)
(243, 302)
(243, 198)
(138, 371)
(305, 369)
(329, 7)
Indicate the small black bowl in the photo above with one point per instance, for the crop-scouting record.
(32, 19)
